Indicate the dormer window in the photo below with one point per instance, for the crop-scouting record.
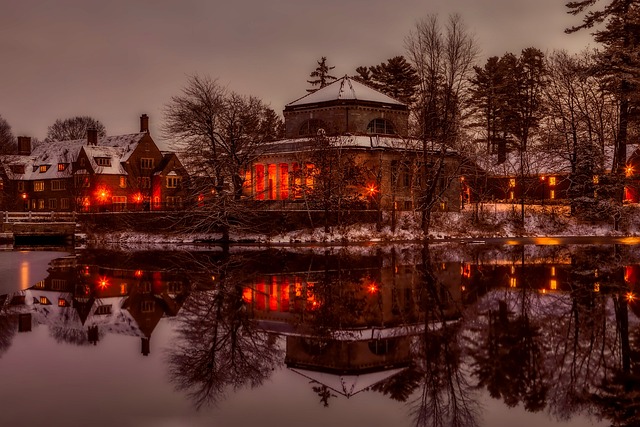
(381, 127)
(44, 168)
(62, 166)
(103, 161)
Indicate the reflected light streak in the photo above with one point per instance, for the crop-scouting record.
(25, 279)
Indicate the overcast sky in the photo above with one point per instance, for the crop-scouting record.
(114, 60)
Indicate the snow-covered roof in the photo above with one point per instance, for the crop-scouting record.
(293, 145)
(118, 148)
(347, 385)
(345, 88)
(541, 162)
(112, 153)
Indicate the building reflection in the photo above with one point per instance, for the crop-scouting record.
(543, 329)
(80, 303)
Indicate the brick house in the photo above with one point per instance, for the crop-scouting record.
(113, 173)
(363, 124)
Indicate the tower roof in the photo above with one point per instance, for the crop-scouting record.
(344, 89)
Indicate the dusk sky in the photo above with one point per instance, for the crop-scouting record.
(115, 60)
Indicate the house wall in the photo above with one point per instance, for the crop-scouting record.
(383, 181)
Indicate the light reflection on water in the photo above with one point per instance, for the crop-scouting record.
(413, 336)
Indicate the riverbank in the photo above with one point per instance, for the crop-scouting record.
(492, 221)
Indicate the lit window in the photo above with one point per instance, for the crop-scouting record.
(596, 179)
(552, 181)
(511, 195)
(513, 282)
(119, 200)
(62, 167)
(512, 182)
(553, 284)
(596, 287)
(39, 285)
(45, 301)
(552, 194)
(43, 168)
(284, 181)
(123, 182)
(40, 204)
(123, 289)
(38, 186)
(82, 181)
(62, 302)
(173, 182)
(146, 163)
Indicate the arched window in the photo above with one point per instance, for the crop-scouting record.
(381, 126)
(311, 126)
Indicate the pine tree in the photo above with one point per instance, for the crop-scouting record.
(320, 76)
(618, 30)
(396, 78)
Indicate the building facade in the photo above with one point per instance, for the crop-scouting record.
(349, 142)
(113, 173)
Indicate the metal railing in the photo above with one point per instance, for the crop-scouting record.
(38, 216)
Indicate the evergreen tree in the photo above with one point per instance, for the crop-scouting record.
(320, 76)
(618, 30)
(396, 78)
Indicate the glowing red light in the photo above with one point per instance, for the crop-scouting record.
(372, 190)
(24, 195)
(103, 283)
(138, 273)
(372, 288)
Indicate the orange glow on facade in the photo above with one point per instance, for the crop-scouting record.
(102, 194)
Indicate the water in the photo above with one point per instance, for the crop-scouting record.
(469, 335)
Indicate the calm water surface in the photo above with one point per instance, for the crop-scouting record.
(465, 335)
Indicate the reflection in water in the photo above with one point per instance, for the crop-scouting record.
(550, 328)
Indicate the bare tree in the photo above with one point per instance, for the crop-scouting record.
(443, 59)
(7, 140)
(220, 134)
(74, 128)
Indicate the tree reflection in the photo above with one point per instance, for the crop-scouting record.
(219, 347)
(445, 396)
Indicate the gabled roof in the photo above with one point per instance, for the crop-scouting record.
(343, 89)
(112, 153)
(119, 148)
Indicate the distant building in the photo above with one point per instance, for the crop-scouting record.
(367, 127)
(113, 173)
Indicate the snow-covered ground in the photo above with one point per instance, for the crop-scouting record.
(495, 221)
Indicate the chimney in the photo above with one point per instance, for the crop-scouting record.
(92, 136)
(24, 145)
(144, 123)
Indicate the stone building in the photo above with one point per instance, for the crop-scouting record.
(349, 141)
(113, 173)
